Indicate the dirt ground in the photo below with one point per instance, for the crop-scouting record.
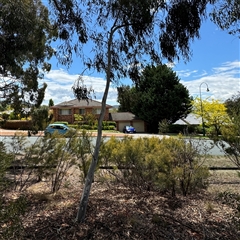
(116, 212)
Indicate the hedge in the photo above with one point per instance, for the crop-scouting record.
(177, 128)
(65, 123)
(17, 124)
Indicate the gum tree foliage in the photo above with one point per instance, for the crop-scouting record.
(160, 95)
(40, 118)
(226, 14)
(25, 34)
(123, 33)
(233, 105)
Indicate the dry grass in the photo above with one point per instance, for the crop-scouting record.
(218, 161)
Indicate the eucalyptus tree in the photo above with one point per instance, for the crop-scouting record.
(233, 105)
(226, 14)
(25, 35)
(124, 35)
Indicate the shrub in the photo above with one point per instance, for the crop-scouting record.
(111, 127)
(5, 162)
(177, 128)
(54, 156)
(111, 123)
(66, 123)
(151, 164)
(181, 168)
(163, 126)
(229, 141)
(17, 124)
(10, 218)
(108, 127)
(81, 149)
(49, 157)
(73, 126)
(11, 210)
(86, 127)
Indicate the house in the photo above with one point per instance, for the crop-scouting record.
(65, 111)
(127, 118)
(191, 119)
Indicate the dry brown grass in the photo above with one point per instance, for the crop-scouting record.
(218, 161)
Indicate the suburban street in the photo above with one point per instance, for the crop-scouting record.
(5, 136)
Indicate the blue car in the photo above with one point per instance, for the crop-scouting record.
(58, 127)
(129, 129)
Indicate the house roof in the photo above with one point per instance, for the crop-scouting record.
(78, 104)
(191, 119)
(123, 116)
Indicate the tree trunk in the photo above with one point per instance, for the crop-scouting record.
(90, 176)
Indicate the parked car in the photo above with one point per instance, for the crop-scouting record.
(129, 129)
(58, 127)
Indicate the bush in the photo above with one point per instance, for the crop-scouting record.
(94, 127)
(54, 155)
(24, 162)
(81, 148)
(177, 128)
(49, 157)
(163, 126)
(17, 124)
(229, 141)
(10, 218)
(108, 128)
(152, 164)
(73, 126)
(111, 123)
(66, 123)
(111, 127)
(86, 127)
(180, 167)
(11, 210)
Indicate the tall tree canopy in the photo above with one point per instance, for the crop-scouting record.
(126, 98)
(123, 33)
(226, 14)
(25, 34)
(160, 95)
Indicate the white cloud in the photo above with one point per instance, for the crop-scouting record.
(223, 82)
(60, 85)
(185, 73)
(227, 66)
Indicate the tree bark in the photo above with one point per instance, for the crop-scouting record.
(90, 176)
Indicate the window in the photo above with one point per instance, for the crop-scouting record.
(96, 111)
(65, 111)
(81, 111)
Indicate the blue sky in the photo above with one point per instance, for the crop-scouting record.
(215, 61)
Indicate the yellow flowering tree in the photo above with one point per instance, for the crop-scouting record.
(213, 112)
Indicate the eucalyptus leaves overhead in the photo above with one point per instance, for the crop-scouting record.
(81, 91)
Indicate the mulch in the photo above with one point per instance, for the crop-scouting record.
(115, 212)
